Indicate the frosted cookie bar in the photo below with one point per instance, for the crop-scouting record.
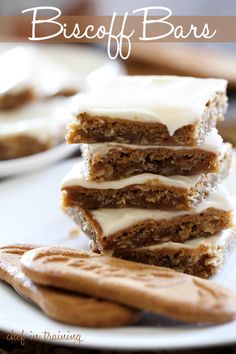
(28, 75)
(110, 161)
(33, 113)
(202, 257)
(149, 110)
(146, 190)
(34, 127)
(131, 228)
(15, 89)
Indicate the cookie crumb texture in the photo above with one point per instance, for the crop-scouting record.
(202, 261)
(122, 161)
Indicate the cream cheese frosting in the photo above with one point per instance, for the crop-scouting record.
(22, 67)
(77, 177)
(212, 143)
(114, 220)
(174, 101)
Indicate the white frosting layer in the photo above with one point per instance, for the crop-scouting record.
(77, 177)
(44, 119)
(212, 143)
(171, 100)
(23, 66)
(114, 220)
(214, 242)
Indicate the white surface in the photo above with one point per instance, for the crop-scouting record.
(174, 101)
(29, 212)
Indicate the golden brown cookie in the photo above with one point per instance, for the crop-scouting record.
(151, 288)
(61, 305)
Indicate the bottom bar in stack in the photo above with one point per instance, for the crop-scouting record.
(190, 241)
(202, 257)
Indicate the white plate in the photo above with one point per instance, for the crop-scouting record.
(30, 212)
(91, 67)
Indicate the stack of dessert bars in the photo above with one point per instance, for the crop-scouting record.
(149, 187)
